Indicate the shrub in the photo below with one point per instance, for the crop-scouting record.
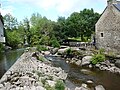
(1, 46)
(98, 58)
(101, 51)
(59, 85)
(55, 43)
(41, 48)
(68, 51)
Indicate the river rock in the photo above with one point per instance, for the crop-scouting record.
(1, 85)
(55, 50)
(90, 66)
(86, 60)
(51, 83)
(61, 51)
(78, 62)
(117, 63)
(39, 88)
(90, 82)
(83, 87)
(46, 52)
(99, 87)
(97, 65)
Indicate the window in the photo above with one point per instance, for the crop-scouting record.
(101, 34)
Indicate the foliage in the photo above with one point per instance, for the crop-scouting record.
(69, 51)
(10, 22)
(40, 30)
(1, 47)
(13, 38)
(41, 48)
(59, 85)
(48, 87)
(54, 42)
(98, 58)
(101, 51)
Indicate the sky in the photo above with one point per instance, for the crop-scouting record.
(52, 9)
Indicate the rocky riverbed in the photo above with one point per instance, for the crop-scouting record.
(83, 58)
(33, 72)
(28, 73)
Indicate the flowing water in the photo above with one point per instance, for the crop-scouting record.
(76, 75)
(7, 59)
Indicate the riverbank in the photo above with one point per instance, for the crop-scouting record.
(28, 73)
(78, 75)
(84, 58)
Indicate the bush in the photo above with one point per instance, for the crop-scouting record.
(69, 51)
(59, 85)
(98, 58)
(41, 48)
(1, 46)
(101, 51)
(55, 43)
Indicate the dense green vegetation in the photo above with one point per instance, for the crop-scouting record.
(98, 57)
(39, 30)
(1, 46)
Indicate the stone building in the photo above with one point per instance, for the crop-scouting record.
(108, 28)
(2, 38)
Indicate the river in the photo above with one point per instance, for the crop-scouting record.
(76, 75)
(7, 59)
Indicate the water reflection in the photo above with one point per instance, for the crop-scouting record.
(7, 59)
(78, 75)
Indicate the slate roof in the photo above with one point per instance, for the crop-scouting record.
(117, 6)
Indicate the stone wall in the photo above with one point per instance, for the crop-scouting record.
(109, 26)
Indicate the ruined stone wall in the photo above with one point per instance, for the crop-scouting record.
(109, 26)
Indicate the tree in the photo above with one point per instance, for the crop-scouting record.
(88, 21)
(59, 29)
(27, 32)
(81, 24)
(13, 38)
(10, 22)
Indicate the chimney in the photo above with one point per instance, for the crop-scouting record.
(110, 2)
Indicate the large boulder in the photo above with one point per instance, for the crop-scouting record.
(54, 50)
(99, 87)
(117, 63)
(46, 52)
(86, 60)
(61, 51)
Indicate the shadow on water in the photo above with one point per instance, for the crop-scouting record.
(8, 58)
(78, 75)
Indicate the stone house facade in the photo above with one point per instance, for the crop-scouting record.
(108, 28)
(2, 37)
